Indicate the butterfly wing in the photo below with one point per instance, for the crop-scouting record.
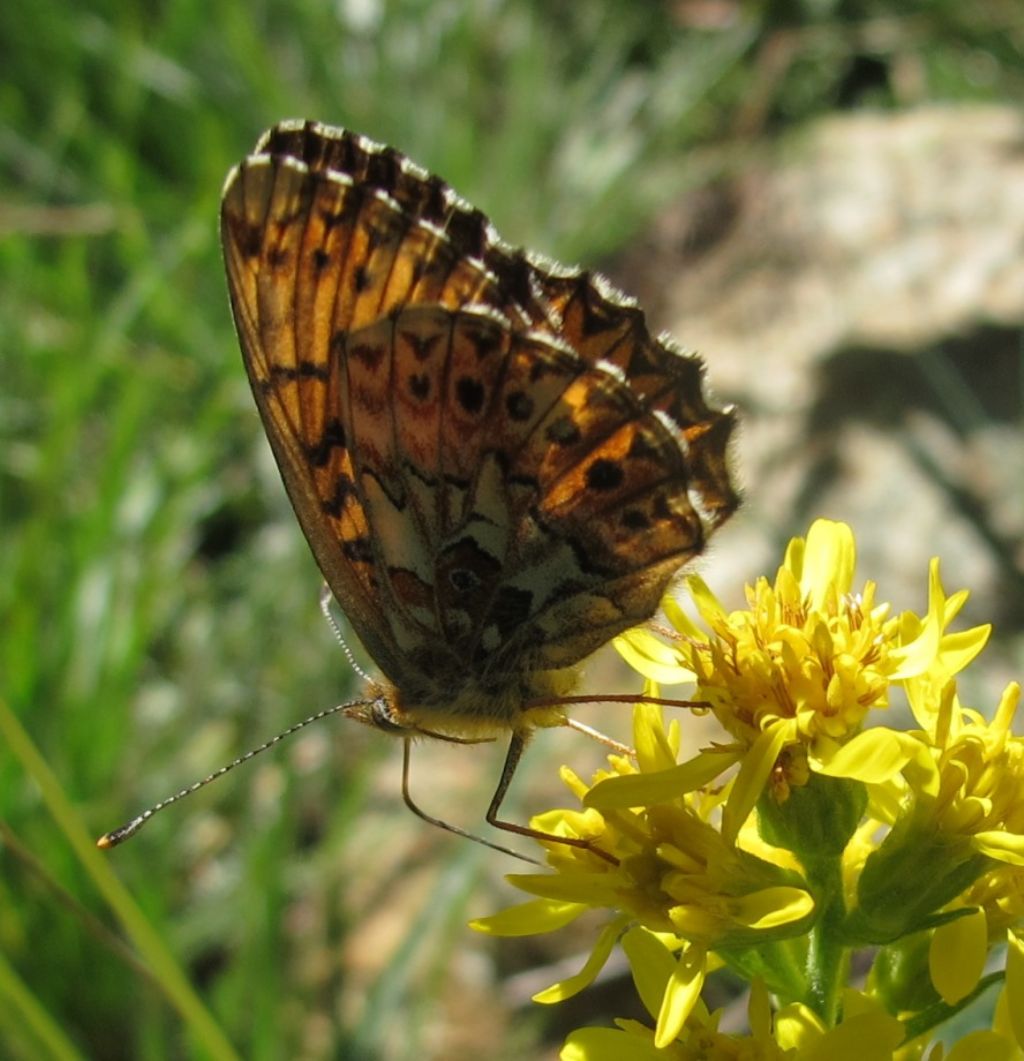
(496, 466)
(320, 257)
(581, 507)
(285, 308)
(451, 253)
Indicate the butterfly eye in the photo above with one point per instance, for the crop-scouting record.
(382, 716)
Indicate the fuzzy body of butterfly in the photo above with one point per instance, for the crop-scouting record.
(496, 466)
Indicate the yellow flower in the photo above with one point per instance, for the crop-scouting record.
(956, 844)
(1006, 1037)
(980, 768)
(866, 1033)
(955, 650)
(1010, 1019)
(807, 834)
(956, 817)
(673, 872)
(794, 676)
(956, 957)
(694, 1038)
(999, 893)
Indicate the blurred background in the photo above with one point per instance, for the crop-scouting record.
(825, 197)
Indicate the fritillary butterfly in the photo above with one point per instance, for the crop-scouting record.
(496, 466)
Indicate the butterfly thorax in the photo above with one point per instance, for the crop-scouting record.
(470, 709)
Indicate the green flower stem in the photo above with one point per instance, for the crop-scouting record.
(927, 1019)
(828, 959)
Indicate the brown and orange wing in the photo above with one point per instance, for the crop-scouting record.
(495, 464)
(285, 307)
(576, 307)
(578, 512)
(343, 299)
(452, 255)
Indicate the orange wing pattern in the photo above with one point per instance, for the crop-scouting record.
(497, 467)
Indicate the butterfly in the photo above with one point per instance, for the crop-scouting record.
(497, 467)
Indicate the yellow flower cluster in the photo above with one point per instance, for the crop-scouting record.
(808, 833)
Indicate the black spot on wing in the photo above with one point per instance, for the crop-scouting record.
(368, 354)
(469, 393)
(419, 386)
(303, 370)
(333, 437)
(359, 550)
(422, 346)
(278, 258)
(605, 474)
(635, 520)
(334, 505)
(511, 608)
(563, 431)
(519, 406)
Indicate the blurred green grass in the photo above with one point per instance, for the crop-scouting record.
(158, 603)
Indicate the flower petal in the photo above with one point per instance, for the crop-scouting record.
(874, 756)
(530, 918)
(798, 1028)
(652, 658)
(958, 649)
(771, 907)
(864, 1037)
(662, 786)
(585, 977)
(711, 610)
(594, 889)
(981, 1045)
(608, 1044)
(652, 964)
(1015, 985)
(830, 557)
(654, 749)
(1006, 847)
(917, 656)
(750, 781)
(682, 993)
(680, 620)
(956, 956)
(759, 1011)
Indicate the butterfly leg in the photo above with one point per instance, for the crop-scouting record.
(515, 753)
(601, 738)
(414, 807)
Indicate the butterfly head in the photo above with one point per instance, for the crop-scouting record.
(378, 712)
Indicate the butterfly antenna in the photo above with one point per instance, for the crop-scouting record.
(326, 599)
(129, 829)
